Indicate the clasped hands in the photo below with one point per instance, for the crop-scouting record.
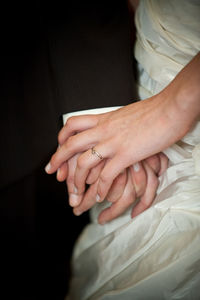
(116, 171)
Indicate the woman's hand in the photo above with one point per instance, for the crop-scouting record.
(123, 137)
(131, 133)
(138, 181)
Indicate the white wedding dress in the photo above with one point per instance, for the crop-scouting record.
(156, 255)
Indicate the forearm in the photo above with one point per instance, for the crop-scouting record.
(184, 91)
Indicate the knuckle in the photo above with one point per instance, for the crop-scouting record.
(103, 127)
(140, 179)
(91, 179)
(139, 191)
(164, 159)
(103, 185)
(70, 122)
(70, 143)
(146, 205)
(70, 179)
(132, 199)
(154, 162)
(111, 197)
(121, 179)
(104, 178)
(129, 201)
(60, 137)
(152, 178)
(108, 124)
(145, 202)
(81, 163)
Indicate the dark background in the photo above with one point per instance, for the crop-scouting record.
(55, 59)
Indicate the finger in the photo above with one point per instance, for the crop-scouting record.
(74, 198)
(72, 162)
(154, 162)
(119, 207)
(111, 170)
(94, 172)
(62, 172)
(89, 160)
(89, 199)
(76, 124)
(117, 188)
(139, 178)
(73, 145)
(164, 161)
(149, 195)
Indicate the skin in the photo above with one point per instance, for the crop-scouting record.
(126, 189)
(135, 132)
(137, 181)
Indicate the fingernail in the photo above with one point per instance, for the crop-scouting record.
(75, 190)
(77, 213)
(48, 167)
(136, 167)
(73, 199)
(98, 198)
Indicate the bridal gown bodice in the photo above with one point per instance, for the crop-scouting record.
(156, 255)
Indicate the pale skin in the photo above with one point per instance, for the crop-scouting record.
(134, 132)
(142, 183)
(141, 180)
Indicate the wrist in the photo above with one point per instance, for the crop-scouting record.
(176, 118)
(187, 101)
(184, 95)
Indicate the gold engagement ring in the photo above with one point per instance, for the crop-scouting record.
(94, 152)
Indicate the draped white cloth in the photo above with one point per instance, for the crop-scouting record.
(156, 255)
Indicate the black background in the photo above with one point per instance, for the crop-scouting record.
(55, 59)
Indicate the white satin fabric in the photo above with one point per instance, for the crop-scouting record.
(156, 255)
(168, 37)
